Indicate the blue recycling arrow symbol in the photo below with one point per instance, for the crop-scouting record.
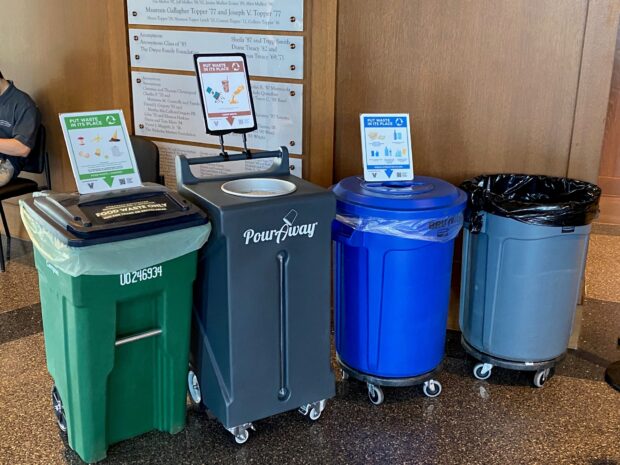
(389, 172)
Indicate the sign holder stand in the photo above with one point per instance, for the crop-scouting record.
(220, 106)
(223, 151)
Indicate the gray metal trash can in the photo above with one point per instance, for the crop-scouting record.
(524, 249)
(261, 317)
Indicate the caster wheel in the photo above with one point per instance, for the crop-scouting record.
(193, 386)
(541, 377)
(431, 388)
(59, 411)
(242, 437)
(344, 375)
(482, 371)
(375, 394)
(315, 414)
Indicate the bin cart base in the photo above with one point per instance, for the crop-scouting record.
(431, 387)
(483, 370)
(241, 433)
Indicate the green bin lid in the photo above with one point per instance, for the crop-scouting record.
(84, 220)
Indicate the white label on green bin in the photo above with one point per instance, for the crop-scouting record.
(145, 274)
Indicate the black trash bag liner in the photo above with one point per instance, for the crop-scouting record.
(538, 200)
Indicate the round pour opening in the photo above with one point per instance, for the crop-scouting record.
(258, 187)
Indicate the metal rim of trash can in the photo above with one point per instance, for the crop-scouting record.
(388, 382)
(259, 187)
(509, 364)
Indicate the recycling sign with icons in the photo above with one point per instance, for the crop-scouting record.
(100, 151)
(386, 147)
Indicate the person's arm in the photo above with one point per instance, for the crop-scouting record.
(24, 134)
(14, 148)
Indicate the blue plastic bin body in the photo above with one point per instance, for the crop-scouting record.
(391, 293)
(519, 287)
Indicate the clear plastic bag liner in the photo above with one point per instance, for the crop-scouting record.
(440, 229)
(537, 200)
(111, 258)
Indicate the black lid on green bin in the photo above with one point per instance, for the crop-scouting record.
(84, 220)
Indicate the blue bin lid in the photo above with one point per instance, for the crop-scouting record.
(424, 197)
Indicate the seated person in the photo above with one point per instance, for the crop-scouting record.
(19, 122)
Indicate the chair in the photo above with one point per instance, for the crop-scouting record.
(37, 162)
(147, 157)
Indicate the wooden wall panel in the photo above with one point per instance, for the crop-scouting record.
(59, 52)
(609, 178)
(490, 85)
(321, 63)
(69, 55)
(593, 92)
(319, 34)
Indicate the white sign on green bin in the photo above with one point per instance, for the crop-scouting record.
(100, 151)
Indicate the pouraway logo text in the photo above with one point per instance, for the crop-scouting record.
(288, 229)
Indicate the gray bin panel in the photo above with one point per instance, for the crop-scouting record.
(519, 288)
(236, 336)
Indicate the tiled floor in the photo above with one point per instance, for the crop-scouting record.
(574, 419)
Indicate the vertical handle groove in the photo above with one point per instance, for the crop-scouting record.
(284, 391)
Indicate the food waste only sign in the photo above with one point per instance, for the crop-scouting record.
(225, 93)
(100, 151)
(386, 147)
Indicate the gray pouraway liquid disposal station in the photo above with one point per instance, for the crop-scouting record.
(261, 317)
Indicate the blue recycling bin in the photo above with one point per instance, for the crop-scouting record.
(393, 250)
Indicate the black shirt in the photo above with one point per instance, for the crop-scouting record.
(19, 119)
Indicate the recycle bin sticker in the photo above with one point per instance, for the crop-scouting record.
(100, 151)
(386, 147)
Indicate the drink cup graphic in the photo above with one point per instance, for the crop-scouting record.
(238, 90)
(290, 217)
(81, 140)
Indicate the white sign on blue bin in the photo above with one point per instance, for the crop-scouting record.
(386, 147)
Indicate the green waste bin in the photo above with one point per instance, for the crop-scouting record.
(115, 276)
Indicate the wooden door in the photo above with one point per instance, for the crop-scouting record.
(609, 176)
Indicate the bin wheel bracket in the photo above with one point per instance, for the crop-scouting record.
(542, 369)
(483, 371)
(193, 386)
(431, 388)
(241, 432)
(541, 377)
(313, 410)
(374, 383)
(375, 394)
